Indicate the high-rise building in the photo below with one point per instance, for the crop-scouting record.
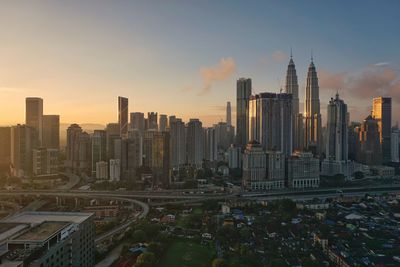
(137, 121)
(48, 239)
(195, 142)
(292, 87)
(254, 166)
(112, 134)
(34, 115)
(337, 145)
(302, 170)
(178, 142)
(152, 121)
(78, 150)
(369, 149)
(163, 123)
(312, 111)
(51, 131)
(101, 172)
(228, 113)
(275, 168)
(131, 154)
(115, 170)
(161, 158)
(99, 149)
(395, 145)
(234, 157)
(270, 121)
(123, 115)
(382, 112)
(210, 144)
(337, 130)
(223, 135)
(5, 151)
(23, 141)
(44, 161)
(243, 93)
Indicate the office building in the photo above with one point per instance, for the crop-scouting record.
(112, 134)
(177, 142)
(270, 121)
(131, 154)
(99, 149)
(210, 144)
(45, 239)
(302, 170)
(312, 113)
(394, 142)
(195, 142)
(228, 114)
(160, 165)
(5, 151)
(23, 141)
(382, 112)
(137, 121)
(123, 115)
(369, 149)
(243, 93)
(292, 87)
(78, 150)
(275, 168)
(34, 115)
(163, 123)
(254, 166)
(51, 131)
(44, 161)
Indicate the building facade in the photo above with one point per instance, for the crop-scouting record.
(302, 170)
(382, 112)
(243, 93)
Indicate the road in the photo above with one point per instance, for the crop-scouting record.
(73, 180)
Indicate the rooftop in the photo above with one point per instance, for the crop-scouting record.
(33, 217)
(7, 230)
(42, 231)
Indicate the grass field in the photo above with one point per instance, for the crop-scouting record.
(187, 254)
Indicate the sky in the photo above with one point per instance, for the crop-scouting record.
(183, 57)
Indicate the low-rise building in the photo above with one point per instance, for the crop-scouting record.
(303, 170)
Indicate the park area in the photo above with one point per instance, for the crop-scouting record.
(187, 254)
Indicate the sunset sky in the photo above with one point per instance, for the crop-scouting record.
(183, 57)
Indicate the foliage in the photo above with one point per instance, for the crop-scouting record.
(147, 259)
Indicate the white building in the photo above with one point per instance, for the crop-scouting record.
(115, 170)
(303, 170)
(101, 170)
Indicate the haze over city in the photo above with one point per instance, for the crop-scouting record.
(184, 57)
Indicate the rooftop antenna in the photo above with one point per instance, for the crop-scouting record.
(312, 57)
(291, 53)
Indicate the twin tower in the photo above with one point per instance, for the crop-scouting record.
(306, 127)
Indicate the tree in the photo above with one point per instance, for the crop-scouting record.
(139, 236)
(219, 263)
(155, 248)
(147, 259)
(358, 175)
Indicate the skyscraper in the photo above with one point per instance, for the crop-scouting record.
(112, 134)
(5, 151)
(137, 121)
(292, 87)
(78, 150)
(178, 142)
(382, 112)
(131, 154)
(270, 121)
(51, 131)
(312, 111)
(161, 157)
(369, 149)
(163, 123)
(337, 145)
(152, 121)
(228, 113)
(34, 115)
(337, 131)
(243, 93)
(22, 144)
(99, 149)
(195, 142)
(123, 115)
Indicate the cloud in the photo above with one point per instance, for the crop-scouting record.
(186, 89)
(382, 64)
(371, 81)
(279, 56)
(224, 70)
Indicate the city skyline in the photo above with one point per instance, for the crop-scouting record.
(78, 71)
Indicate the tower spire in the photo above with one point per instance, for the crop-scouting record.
(291, 53)
(312, 56)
